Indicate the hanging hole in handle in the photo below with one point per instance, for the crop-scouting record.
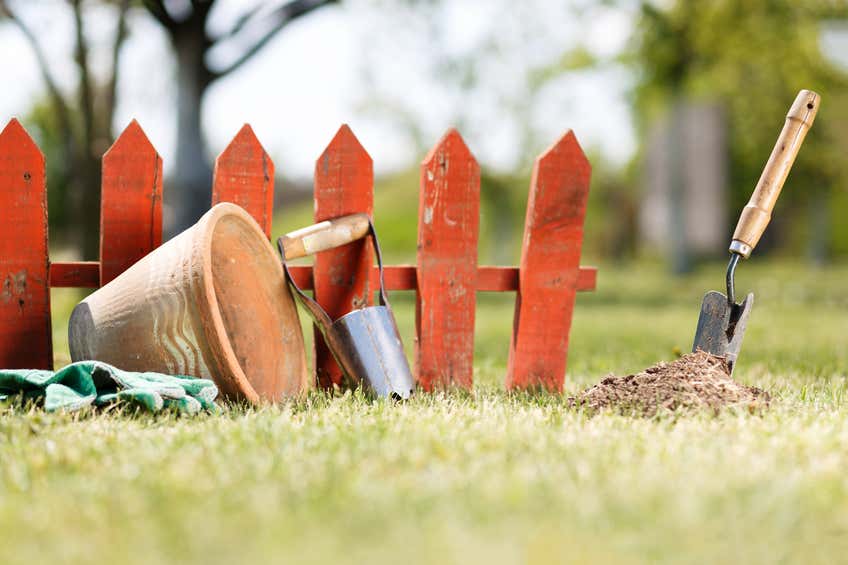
(810, 105)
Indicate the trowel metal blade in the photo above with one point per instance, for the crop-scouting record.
(721, 326)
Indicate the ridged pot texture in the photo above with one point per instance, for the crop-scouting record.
(212, 302)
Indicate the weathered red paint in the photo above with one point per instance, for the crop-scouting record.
(448, 227)
(344, 181)
(131, 202)
(81, 274)
(550, 267)
(502, 279)
(25, 335)
(244, 175)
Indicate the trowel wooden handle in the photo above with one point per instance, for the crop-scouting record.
(324, 235)
(757, 213)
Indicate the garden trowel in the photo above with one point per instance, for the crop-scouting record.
(722, 322)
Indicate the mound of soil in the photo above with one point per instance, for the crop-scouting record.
(695, 381)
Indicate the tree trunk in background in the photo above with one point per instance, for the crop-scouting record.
(191, 182)
(683, 208)
(681, 259)
(87, 179)
(192, 179)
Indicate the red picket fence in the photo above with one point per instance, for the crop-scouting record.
(446, 277)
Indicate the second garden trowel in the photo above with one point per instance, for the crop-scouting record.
(722, 322)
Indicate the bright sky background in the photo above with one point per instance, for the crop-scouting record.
(312, 78)
(352, 62)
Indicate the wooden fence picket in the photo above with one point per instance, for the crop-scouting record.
(131, 202)
(550, 267)
(344, 181)
(244, 175)
(25, 332)
(448, 226)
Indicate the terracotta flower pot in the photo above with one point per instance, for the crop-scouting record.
(211, 302)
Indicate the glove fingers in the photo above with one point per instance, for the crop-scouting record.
(60, 397)
(184, 405)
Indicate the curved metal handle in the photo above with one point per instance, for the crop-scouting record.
(757, 213)
(384, 299)
(318, 313)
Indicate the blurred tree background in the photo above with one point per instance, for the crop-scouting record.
(752, 57)
(75, 128)
(747, 58)
(187, 26)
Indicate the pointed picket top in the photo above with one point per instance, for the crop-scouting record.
(244, 140)
(448, 227)
(132, 139)
(344, 184)
(25, 335)
(13, 125)
(562, 165)
(566, 144)
(131, 202)
(550, 266)
(15, 137)
(451, 143)
(344, 148)
(244, 175)
(16, 143)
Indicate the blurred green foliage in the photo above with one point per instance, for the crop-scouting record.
(750, 57)
(753, 57)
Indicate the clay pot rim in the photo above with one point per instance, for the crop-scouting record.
(216, 332)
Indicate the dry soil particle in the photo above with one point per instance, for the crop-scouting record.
(695, 381)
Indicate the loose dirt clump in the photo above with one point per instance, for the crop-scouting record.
(696, 381)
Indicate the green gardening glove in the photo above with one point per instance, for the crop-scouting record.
(154, 391)
(88, 383)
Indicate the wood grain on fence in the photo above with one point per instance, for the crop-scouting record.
(25, 333)
(131, 202)
(448, 226)
(344, 181)
(244, 175)
(77, 274)
(550, 267)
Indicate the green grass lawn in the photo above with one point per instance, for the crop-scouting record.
(485, 477)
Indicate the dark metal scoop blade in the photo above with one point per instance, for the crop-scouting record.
(721, 326)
